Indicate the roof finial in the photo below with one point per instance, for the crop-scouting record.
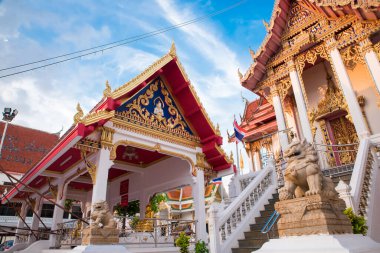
(217, 129)
(79, 115)
(266, 25)
(232, 157)
(172, 51)
(107, 91)
(243, 98)
(252, 53)
(240, 74)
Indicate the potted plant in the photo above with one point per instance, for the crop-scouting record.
(358, 222)
(200, 247)
(183, 242)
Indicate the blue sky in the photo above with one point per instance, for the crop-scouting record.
(211, 52)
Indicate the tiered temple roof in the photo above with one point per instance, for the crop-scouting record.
(258, 119)
(281, 28)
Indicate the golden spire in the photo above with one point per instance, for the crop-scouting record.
(240, 74)
(107, 91)
(252, 53)
(266, 25)
(172, 51)
(232, 157)
(79, 115)
(217, 129)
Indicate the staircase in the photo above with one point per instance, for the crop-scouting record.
(254, 239)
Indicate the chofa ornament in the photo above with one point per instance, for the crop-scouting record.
(303, 176)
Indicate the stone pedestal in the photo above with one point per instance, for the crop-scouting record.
(321, 244)
(96, 236)
(312, 215)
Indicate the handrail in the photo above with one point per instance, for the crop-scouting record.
(239, 201)
(270, 222)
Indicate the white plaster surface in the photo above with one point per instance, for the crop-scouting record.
(100, 249)
(322, 243)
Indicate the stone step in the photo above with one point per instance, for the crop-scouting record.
(245, 249)
(252, 241)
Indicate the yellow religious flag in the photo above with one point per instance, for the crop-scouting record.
(241, 161)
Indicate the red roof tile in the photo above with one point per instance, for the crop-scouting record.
(23, 147)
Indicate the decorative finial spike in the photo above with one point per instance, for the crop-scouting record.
(266, 25)
(252, 53)
(217, 129)
(173, 51)
(240, 74)
(107, 91)
(232, 157)
(79, 115)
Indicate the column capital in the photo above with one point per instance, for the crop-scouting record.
(274, 90)
(366, 45)
(331, 43)
(290, 63)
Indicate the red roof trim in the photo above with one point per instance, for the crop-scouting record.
(69, 140)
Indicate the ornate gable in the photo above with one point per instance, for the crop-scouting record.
(154, 109)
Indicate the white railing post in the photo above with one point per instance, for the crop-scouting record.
(358, 173)
(214, 245)
(228, 225)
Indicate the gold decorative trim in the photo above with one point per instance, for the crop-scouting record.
(376, 47)
(170, 137)
(106, 137)
(107, 91)
(79, 115)
(201, 163)
(96, 116)
(156, 148)
(351, 56)
(311, 55)
(91, 167)
(87, 145)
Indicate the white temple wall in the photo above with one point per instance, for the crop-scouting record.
(315, 78)
(165, 175)
(363, 85)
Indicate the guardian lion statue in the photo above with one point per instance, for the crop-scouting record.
(303, 176)
(101, 216)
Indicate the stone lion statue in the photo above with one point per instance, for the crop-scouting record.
(101, 216)
(303, 176)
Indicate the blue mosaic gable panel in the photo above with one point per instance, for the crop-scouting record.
(155, 107)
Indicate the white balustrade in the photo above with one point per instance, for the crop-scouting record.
(229, 225)
(365, 183)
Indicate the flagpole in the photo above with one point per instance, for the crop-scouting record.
(237, 157)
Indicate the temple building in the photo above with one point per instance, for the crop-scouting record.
(150, 135)
(318, 66)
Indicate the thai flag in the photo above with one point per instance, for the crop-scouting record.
(239, 132)
(217, 180)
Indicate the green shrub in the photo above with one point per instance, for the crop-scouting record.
(135, 220)
(358, 222)
(183, 242)
(200, 247)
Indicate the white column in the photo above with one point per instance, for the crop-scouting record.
(280, 118)
(58, 212)
(198, 191)
(103, 164)
(21, 224)
(300, 101)
(214, 229)
(35, 220)
(372, 61)
(257, 160)
(349, 93)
